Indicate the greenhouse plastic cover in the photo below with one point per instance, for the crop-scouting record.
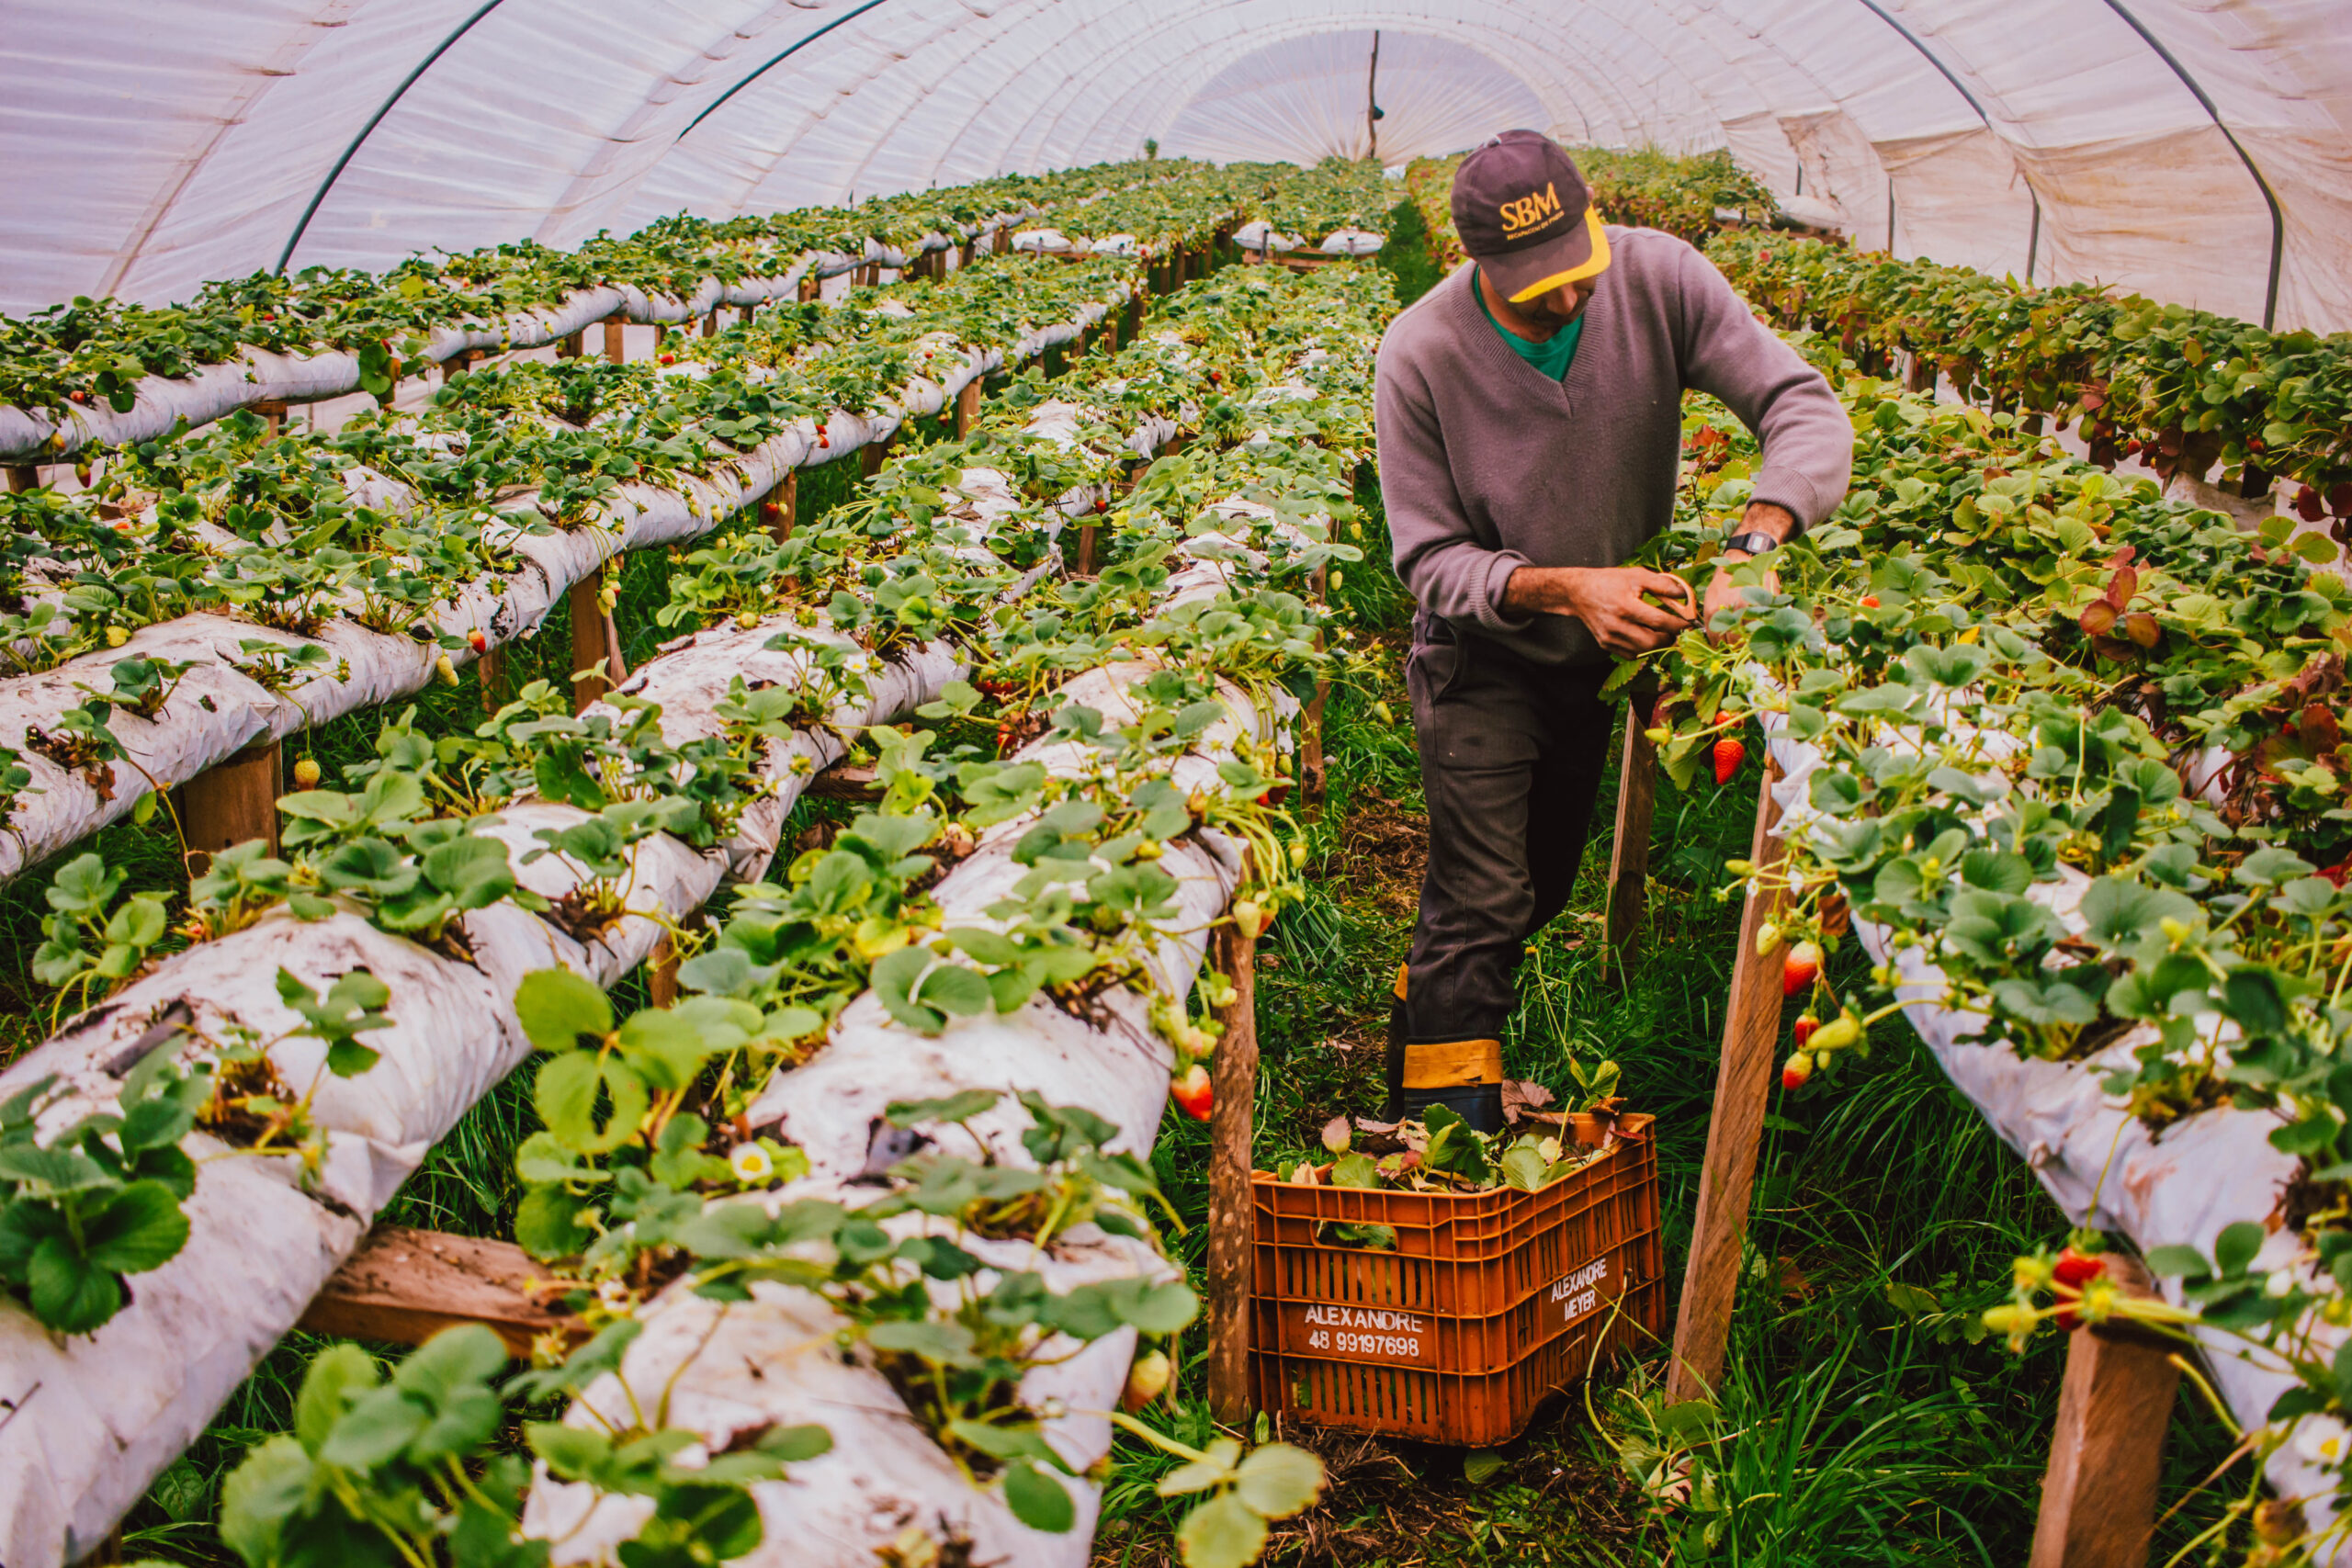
(152, 147)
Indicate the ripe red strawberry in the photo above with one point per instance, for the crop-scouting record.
(479, 643)
(1730, 753)
(769, 509)
(1193, 1093)
(1806, 1024)
(1800, 968)
(2075, 1271)
(824, 438)
(1869, 601)
(669, 359)
(1796, 1070)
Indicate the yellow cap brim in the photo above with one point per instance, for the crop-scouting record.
(1592, 266)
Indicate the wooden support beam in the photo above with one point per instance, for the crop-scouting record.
(710, 322)
(2099, 1498)
(1743, 1087)
(1629, 859)
(967, 409)
(786, 499)
(23, 477)
(490, 672)
(1003, 238)
(1311, 769)
(662, 975)
(846, 780)
(616, 345)
(660, 338)
(1086, 545)
(404, 1286)
(232, 802)
(1233, 1074)
(273, 414)
(595, 642)
(871, 455)
(572, 346)
(811, 286)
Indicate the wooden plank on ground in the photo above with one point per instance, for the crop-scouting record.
(2098, 1496)
(232, 802)
(1233, 1074)
(1742, 1086)
(404, 1286)
(1629, 858)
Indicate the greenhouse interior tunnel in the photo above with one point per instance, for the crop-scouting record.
(1079, 783)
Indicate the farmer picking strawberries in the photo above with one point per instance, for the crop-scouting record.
(1530, 415)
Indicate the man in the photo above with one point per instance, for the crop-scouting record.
(1529, 410)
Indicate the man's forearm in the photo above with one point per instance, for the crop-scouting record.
(1765, 517)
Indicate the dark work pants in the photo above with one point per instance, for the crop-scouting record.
(1511, 758)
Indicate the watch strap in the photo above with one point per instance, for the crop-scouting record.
(1756, 542)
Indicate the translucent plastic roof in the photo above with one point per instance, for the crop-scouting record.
(152, 146)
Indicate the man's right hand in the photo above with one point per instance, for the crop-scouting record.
(1609, 601)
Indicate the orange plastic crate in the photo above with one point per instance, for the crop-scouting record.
(1489, 1301)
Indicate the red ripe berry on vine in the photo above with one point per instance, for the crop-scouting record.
(1730, 753)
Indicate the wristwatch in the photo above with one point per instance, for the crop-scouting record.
(1755, 542)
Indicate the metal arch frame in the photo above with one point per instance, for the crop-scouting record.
(2269, 197)
(804, 42)
(2033, 240)
(318, 197)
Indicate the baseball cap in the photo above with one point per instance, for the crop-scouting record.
(1526, 216)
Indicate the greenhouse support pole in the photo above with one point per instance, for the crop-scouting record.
(2099, 1498)
(1372, 100)
(2269, 197)
(1233, 1078)
(1743, 1090)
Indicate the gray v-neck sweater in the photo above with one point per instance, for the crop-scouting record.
(1487, 464)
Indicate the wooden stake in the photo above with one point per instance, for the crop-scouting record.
(710, 322)
(404, 1286)
(573, 345)
(968, 408)
(786, 499)
(273, 414)
(1629, 861)
(1085, 549)
(616, 346)
(1310, 739)
(871, 455)
(594, 642)
(1743, 1085)
(23, 477)
(1233, 1075)
(811, 284)
(490, 671)
(661, 337)
(229, 803)
(2099, 1498)
(662, 973)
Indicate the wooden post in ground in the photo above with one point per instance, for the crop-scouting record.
(404, 1286)
(273, 414)
(2099, 1498)
(232, 802)
(615, 345)
(786, 499)
(23, 477)
(809, 286)
(1311, 779)
(490, 672)
(873, 455)
(1629, 858)
(573, 345)
(662, 973)
(594, 641)
(968, 408)
(1233, 1075)
(1743, 1085)
(1086, 539)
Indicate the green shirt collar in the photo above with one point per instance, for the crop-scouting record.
(1553, 356)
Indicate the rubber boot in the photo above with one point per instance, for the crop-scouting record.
(1464, 1076)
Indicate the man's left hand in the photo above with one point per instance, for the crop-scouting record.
(1762, 516)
